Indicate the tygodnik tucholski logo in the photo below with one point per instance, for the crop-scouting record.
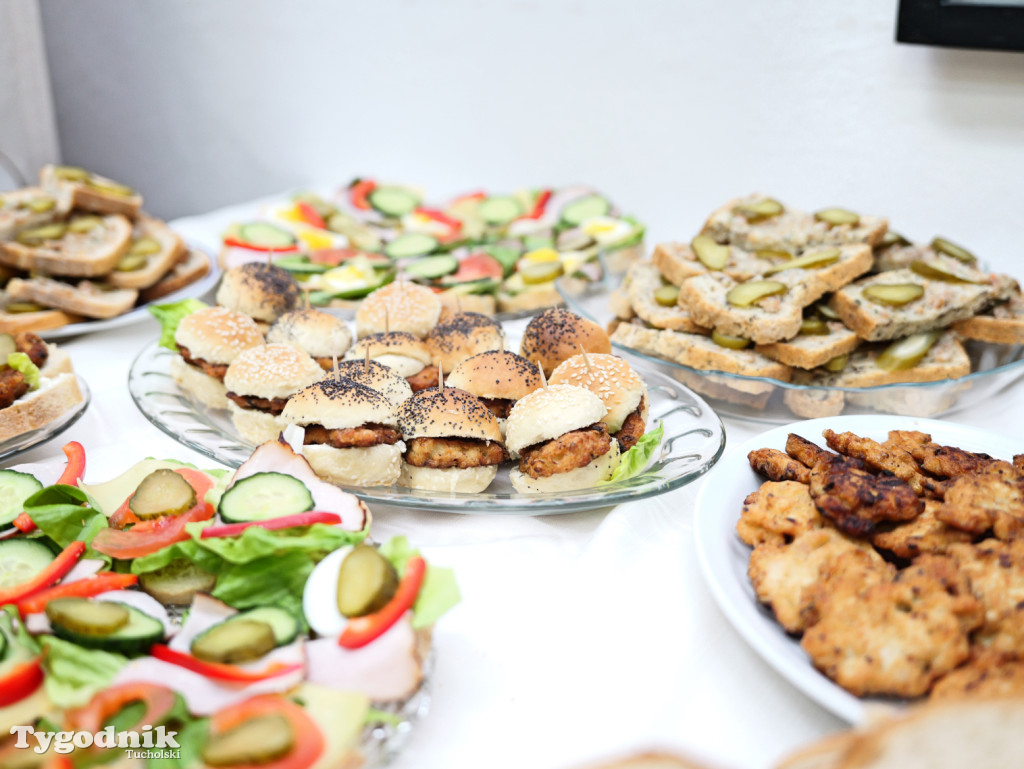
(149, 743)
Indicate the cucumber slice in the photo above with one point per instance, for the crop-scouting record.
(498, 211)
(134, 638)
(393, 202)
(15, 488)
(412, 244)
(482, 286)
(300, 265)
(177, 583)
(233, 641)
(283, 623)
(433, 267)
(22, 559)
(263, 496)
(266, 235)
(580, 210)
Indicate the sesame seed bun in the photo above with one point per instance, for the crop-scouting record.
(373, 466)
(315, 332)
(217, 335)
(557, 334)
(377, 376)
(600, 469)
(447, 413)
(262, 291)
(338, 404)
(469, 480)
(196, 383)
(496, 374)
(550, 412)
(399, 306)
(461, 336)
(401, 351)
(271, 371)
(610, 378)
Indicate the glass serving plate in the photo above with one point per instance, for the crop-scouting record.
(693, 442)
(50, 430)
(771, 401)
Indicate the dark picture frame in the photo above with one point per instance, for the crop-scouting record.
(963, 24)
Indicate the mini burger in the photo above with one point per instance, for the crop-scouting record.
(452, 441)
(260, 381)
(351, 432)
(461, 336)
(400, 351)
(377, 377)
(208, 341)
(317, 333)
(399, 306)
(498, 378)
(561, 441)
(557, 334)
(262, 291)
(620, 389)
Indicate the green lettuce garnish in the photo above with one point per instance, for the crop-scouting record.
(635, 238)
(73, 674)
(439, 592)
(19, 361)
(170, 315)
(65, 514)
(635, 461)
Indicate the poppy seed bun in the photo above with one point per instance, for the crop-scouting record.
(447, 413)
(550, 412)
(585, 477)
(271, 371)
(399, 306)
(338, 404)
(398, 350)
(378, 377)
(262, 291)
(461, 336)
(496, 374)
(469, 480)
(317, 333)
(557, 334)
(379, 465)
(610, 378)
(217, 335)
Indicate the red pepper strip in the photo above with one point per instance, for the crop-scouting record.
(480, 195)
(309, 215)
(361, 630)
(236, 243)
(441, 218)
(272, 524)
(220, 671)
(74, 470)
(539, 205)
(21, 681)
(52, 574)
(82, 588)
(360, 192)
(24, 524)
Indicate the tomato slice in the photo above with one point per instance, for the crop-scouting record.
(476, 267)
(309, 215)
(149, 536)
(309, 740)
(21, 681)
(360, 191)
(335, 256)
(159, 701)
(200, 482)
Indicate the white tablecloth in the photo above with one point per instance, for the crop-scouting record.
(579, 637)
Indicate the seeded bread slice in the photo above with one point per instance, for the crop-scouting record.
(16, 214)
(188, 270)
(76, 254)
(792, 230)
(677, 263)
(642, 280)
(1001, 324)
(810, 351)
(85, 298)
(172, 250)
(900, 257)
(95, 193)
(42, 320)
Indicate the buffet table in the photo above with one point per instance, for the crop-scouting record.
(579, 637)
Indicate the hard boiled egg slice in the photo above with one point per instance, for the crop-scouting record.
(605, 230)
(320, 596)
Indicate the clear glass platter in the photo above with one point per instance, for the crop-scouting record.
(771, 401)
(50, 430)
(694, 440)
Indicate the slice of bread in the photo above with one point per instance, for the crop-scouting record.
(17, 214)
(897, 257)
(43, 320)
(642, 281)
(1001, 324)
(189, 269)
(77, 254)
(38, 408)
(810, 351)
(792, 230)
(57, 362)
(156, 265)
(823, 754)
(93, 193)
(814, 404)
(84, 298)
(677, 262)
(654, 760)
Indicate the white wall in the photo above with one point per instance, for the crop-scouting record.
(671, 107)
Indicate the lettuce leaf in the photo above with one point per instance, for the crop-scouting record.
(64, 514)
(73, 674)
(170, 315)
(635, 461)
(439, 592)
(19, 361)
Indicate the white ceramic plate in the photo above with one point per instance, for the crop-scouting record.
(723, 557)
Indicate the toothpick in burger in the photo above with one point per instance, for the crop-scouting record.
(402, 352)
(398, 306)
(498, 378)
(461, 336)
(376, 376)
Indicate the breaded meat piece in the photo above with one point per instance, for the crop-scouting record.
(806, 452)
(566, 452)
(996, 573)
(857, 567)
(783, 575)
(928, 569)
(907, 440)
(982, 678)
(949, 461)
(924, 534)
(462, 453)
(991, 498)
(894, 460)
(777, 513)
(856, 500)
(1018, 462)
(776, 465)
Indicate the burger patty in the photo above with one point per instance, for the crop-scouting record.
(325, 363)
(566, 452)
(443, 453)
(424, 380)
(216, 370)
(500, 407)
(34, 347)
(362, 437)
(12, 386)
(270, 405)
(633, 428)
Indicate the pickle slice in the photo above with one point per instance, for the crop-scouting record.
(111, 188)
(773, 253)
(949, 248)
(710, 252)
(162, 492)
(144, 247)
(255, 741)
(825, 311)
(71, 173)
(813, 327)
(757, 210)
(893, 294)
(837, 364)
(667, 296)
(234, 640)
(937, 271)
(908, 352)
(732, 342)
(892, 238)
(366, 582)
(40, 205)
(84, 223)
(539, 272)
(131, 263)
(35, 235)
(746, 294)
(835, 217)
(20, 307)
(811, 261)
(85, 617)
(7, 346)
